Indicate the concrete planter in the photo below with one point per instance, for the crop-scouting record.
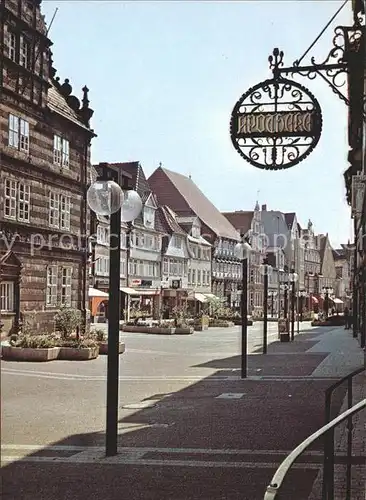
(78, 353)
(149, 329)
(184, 331)
(11, 353)
(221, 324)
(103, 347)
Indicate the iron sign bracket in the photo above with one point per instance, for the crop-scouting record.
(347, 44)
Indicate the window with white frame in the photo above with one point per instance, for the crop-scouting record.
(18, 133)
(61, 151)
(12, 45)
(16, 200)
(24, 52)
(23, 202)
(51, 288)
(208, 277)
(193, 276)
(7, 296)
(103, 235)
(165, 265)
(64, 212)
(196, 231)
(189, 277)
(149, 216)
(177, 241)
(102, 266)
(54, 209)
(59, 210)
(66, 286)
(180, 268)
(198, 277)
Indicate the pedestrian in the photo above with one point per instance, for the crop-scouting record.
(346, 318)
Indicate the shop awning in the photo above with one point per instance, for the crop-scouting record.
(96, 297)
(129, 291)
(94, 292)
(152, 291)
(337, 301)
(200, 297)
(212, 296)
(314, 300)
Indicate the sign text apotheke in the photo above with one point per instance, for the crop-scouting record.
(280, 123)
(276, 124)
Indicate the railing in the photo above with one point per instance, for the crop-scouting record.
(274, 489)
(328, 464)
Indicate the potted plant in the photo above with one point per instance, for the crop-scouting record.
(26, 347)
(73, 346)
(82, 349)
(180, 321)
(101, 338)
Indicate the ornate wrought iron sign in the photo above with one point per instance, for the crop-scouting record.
(276, 124)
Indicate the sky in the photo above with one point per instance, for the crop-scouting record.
(165, 76)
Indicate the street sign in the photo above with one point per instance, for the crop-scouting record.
(176, 284)
(276, 124)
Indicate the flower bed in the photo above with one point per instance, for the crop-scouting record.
(101, 338)
(221, 324)
(40, 347)
(159, 330)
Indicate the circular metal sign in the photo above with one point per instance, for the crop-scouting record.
(276, 124)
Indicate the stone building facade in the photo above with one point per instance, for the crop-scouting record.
(183, 196)
(44, 171)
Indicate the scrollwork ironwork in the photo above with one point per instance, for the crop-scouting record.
(261, 134)
(334, 68)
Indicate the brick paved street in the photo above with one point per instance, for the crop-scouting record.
(189, 427)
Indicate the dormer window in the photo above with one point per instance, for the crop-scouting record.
(149, 217)
(177, 241)
(196, 232)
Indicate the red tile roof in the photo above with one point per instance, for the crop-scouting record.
(168, 219)
(186, 199)
(241, 220)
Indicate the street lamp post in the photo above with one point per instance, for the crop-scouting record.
(265, 305)
(242, 251)
(327, 290)
(106, 197)
(293, 279)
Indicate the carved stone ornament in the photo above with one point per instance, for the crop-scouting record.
(276, 124)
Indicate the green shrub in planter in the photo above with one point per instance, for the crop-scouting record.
(38, 347)
(99, 335)
(67, 321)
(36, 341)
(78, 343)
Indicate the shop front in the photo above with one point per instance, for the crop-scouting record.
(143, 298)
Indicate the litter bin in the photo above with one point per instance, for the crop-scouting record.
(284, 330)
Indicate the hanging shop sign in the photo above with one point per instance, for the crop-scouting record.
(276, 124)
(358, 194)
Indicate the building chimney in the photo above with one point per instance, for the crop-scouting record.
(264, 208)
